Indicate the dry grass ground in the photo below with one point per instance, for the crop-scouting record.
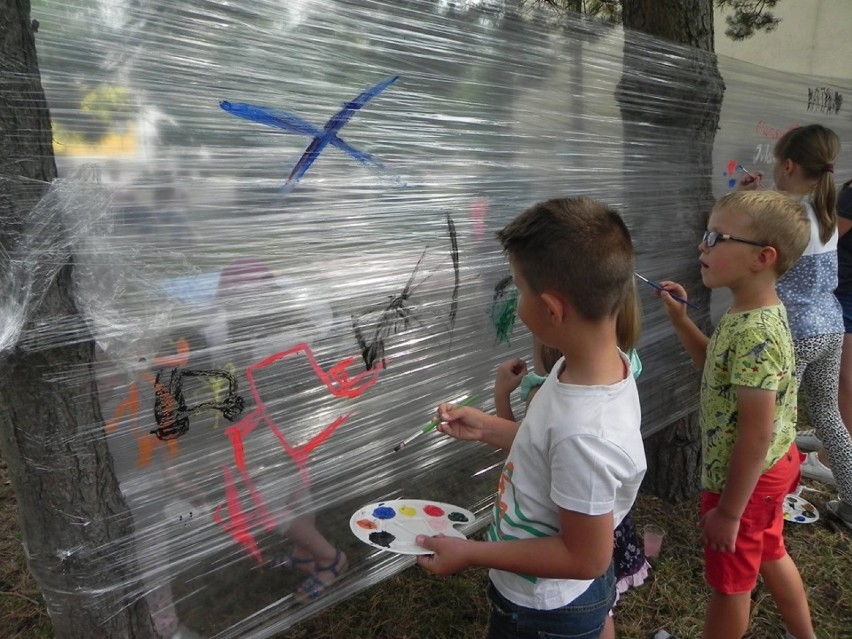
(416, 605)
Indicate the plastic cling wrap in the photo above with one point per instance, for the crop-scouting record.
(282, 217)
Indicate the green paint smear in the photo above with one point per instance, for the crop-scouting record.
(503, 316)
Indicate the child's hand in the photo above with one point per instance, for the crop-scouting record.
(509, 376)
(674, 309)
(751, 182)
(449, 556)
(720, 531)
(463, 422)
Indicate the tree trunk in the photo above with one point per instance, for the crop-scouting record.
(682, 103)
(73, 517)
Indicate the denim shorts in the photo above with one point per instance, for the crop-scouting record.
(845, 300)
(583, 618)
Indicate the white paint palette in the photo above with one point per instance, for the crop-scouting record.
(394, 525)
(799, 511)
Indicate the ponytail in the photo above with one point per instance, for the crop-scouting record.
(814, 148)
(825, 206)
(628, 323)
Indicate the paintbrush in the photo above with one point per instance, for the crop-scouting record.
(747, 172)
(431, 425)
(660, 288)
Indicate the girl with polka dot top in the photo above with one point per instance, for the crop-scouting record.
(804, 167)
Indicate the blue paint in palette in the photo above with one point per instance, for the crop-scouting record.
(384, 512)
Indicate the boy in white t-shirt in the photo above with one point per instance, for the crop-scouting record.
(576, 461)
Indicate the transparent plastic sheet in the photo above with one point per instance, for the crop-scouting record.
(284, 286)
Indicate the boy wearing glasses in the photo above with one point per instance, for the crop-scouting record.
(747, 411)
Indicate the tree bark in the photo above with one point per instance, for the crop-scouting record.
(74, 521)
(682, 103)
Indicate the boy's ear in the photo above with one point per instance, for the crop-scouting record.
(556, 306)
(767, 257)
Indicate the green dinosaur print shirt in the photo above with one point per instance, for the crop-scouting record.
(752, 349)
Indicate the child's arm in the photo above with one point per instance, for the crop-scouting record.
(474, 425)
(582, 550)
(693, 340)
(509, 376)
(756, 410)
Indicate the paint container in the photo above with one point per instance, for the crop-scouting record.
(652, 536)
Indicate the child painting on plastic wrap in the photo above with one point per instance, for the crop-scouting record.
(631, 566)
(550, 547)
(804, 169)
(747, 409)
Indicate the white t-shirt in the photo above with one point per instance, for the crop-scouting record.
(579, 448)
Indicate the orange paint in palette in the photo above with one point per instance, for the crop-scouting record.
(394, 525)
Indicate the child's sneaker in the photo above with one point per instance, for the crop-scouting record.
(813, 468)
(662, 634)
(807, 441)
(840, 510)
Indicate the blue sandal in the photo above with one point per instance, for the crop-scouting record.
(313, 587)
(290, 561)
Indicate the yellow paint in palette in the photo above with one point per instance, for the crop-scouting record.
(408, 511)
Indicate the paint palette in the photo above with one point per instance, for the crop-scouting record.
(799, 511)
(394, 525)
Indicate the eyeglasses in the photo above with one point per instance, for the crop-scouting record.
(711, 238)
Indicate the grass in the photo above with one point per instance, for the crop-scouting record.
(22, 610)
(417, 605)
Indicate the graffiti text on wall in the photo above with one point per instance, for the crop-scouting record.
(824, 100)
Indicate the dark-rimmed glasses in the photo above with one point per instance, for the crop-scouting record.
(711, 238)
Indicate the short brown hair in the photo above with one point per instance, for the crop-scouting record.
(577, 247)
(776, 219)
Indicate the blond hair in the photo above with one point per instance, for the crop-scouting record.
(775, 219)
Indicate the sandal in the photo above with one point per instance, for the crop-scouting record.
(313, 587)
(290, 560)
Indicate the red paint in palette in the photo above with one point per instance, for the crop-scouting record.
(433, 511)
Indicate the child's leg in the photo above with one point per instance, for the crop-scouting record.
(819, 380)
(786, 587)
(727, 615)
(328, 562)
(845, 396)
(306, 537)
(608, 629)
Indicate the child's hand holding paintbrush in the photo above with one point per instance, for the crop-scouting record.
(436, 424)
(462, 421)
(472, 424)
(751, 181)
(674, 299)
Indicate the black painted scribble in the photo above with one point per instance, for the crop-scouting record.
(373, 327)
(396, 316)
(454, 252)
(824, 100)
(171, 412)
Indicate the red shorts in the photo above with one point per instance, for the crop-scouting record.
(760, 538)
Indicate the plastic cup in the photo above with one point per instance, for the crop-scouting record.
(653, 539)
